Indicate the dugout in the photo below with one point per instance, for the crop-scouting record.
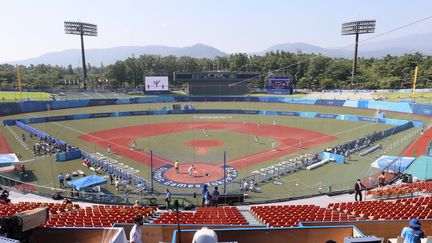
(216, 83)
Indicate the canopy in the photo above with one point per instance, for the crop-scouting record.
(393, 163)
(421, 168)
(7, 159)
(87, 181)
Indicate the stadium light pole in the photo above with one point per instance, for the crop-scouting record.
(356, 28)
(82, 29)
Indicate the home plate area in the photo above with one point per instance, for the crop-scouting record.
(202, 173)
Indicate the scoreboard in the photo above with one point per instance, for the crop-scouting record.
(279, 85)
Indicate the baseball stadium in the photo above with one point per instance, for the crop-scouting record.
(144, 150)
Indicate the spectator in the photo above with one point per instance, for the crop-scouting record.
(358, 187)
(215, 197)
(205, 235)
(168, 199)
(413, 233)
(5, 196)
(135, 233)
(207, 199)
(204, 193)
(61, 178)
(381, 179)
(68, 203)
(137, 205)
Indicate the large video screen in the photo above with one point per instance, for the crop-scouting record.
(279, 85)
(156, 83)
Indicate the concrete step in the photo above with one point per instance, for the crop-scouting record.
(250, 218)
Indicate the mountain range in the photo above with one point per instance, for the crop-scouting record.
(397, 46)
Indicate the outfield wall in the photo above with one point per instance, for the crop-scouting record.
(11, 108)
(388, 121)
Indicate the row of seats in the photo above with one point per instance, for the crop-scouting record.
(401, 190)
(209, 215)
(425, 186)
(9, 209)
(98, 216)
(388, 210)
(392, 192)
(291, 215)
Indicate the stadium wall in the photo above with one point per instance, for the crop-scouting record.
(395, 122)
(11, 108)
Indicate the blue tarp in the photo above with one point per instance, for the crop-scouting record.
(74, 154)
(87, 181)
(393, 163)
(340, 159)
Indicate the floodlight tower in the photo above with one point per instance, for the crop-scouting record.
(356, 28)
(82, 29)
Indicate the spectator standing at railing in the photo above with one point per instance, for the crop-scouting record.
(358, 187)
(204, 193)
(215, 197)
(207, 199)
(168, 199)
(61, 178)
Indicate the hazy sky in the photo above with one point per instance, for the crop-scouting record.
(34, 27)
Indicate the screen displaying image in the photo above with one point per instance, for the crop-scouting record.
(156, 83)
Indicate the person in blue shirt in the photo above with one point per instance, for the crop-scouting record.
(413, 233)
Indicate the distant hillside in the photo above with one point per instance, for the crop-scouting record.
(111, 55)
(395, 47)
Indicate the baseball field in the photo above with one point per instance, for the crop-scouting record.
(249, 142)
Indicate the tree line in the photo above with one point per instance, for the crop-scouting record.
(311, 71)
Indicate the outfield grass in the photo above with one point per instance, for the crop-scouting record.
(8, 96)
(45, 171)
(419, 97)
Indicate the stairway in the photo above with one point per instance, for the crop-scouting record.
(152, 217)
(250, 218)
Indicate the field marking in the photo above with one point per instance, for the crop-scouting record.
(257, 156)
(119, 145)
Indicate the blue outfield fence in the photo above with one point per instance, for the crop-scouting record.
(11, 108)
(395, 122)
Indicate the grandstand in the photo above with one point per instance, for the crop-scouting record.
(329, 205)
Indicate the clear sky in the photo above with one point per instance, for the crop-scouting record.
(34, 27)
